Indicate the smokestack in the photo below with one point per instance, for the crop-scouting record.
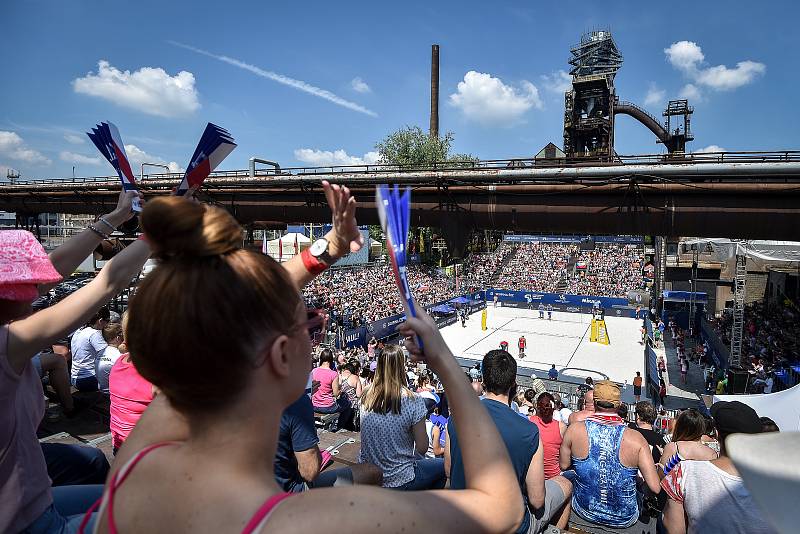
(434, 91)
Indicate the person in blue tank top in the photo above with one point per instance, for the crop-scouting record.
(606, 456)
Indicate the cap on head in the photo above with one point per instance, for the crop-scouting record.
(23, 265)
(607, 391)
(735, 417)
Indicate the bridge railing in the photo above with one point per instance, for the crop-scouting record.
(288, 172)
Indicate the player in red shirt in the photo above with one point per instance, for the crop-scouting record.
(504, 345)
(522, 344)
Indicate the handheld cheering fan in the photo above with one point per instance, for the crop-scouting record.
(108, 141)
(394, 211)
(214, 146)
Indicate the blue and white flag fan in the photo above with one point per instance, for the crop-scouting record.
(394, 210)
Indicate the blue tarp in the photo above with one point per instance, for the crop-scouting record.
(442, 308)
(460, 300)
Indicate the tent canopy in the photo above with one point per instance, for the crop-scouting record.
(460, 300)
(726, 249)
(442, 308)
(684, 296)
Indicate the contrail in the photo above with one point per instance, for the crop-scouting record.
(280, 78)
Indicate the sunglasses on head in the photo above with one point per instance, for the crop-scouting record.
(316, 323)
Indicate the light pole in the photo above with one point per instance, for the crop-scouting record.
(161, 165)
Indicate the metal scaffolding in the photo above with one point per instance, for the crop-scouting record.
(739, 289)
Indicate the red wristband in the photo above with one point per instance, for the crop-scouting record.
(312, 264)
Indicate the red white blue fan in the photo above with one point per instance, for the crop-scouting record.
(214, 146)
(108, 141)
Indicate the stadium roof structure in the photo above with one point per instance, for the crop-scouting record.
(725, 249)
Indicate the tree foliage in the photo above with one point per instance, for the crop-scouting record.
(410, 146)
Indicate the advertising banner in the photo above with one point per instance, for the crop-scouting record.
(614, 306)
(619, 239)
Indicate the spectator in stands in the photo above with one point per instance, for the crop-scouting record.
(543, 500)
(551, 432)
(25, 494)
(645, 417)
(561, 413)
(662, 391)
(708, 496)
(55, 367)
(585, 408)
(250, 311)
(393, 428)
(351, 390)
(326, 396)
(112, 335)
(606, 456)
(87, 346)
(687, 441)
(299, 462)
(637, 386)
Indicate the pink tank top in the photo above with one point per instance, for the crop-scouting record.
(130, 396)
(550, 434)
(255, 524)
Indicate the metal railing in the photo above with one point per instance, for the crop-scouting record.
(491, 164)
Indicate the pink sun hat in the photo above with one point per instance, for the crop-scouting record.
(23, 265)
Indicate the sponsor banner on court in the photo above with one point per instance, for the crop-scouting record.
(652, 365)
(619, 239)
(356, 337)
(561, 302)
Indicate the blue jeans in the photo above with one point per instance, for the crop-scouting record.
(334, 408)
(64, 516)
(69, 465)
(428, 474)
(86, 384)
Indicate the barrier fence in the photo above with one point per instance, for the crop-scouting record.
(536, 300)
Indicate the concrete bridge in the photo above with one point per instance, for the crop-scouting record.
(738, 195)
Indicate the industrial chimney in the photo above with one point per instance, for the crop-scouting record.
(434, 91)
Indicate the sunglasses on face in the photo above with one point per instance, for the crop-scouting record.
(315, 324)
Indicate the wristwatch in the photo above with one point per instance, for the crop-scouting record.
(319, 249)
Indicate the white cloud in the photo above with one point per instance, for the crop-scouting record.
(74, 139)
(12, 146)
(655, 96)
(327, 158)
(722, 78)
(280, 78)
(557, 82)
(72, 157)
(688, 57)
(360, 86)
(137, 156)
(149, 90)
(684, 55)
(691, 92)
(710, 148)
(483, 98)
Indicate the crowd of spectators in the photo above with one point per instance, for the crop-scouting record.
(770, 338)
(219, 431)
(611, 270)
(356, 296)
(482, 267)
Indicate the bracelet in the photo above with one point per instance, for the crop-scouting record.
(102, 220)
(98, 232)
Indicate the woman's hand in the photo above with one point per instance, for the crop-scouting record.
(124, 210)
(344, 237)
(436, 353)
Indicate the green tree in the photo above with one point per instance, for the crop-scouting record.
(410, 146)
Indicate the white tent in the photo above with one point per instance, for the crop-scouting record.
(286, 247)
(782, 407)
(788, 251)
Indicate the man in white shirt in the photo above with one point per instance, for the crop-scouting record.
(112, 334)
(87, 345)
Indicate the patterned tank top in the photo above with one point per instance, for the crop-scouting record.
(605, 490)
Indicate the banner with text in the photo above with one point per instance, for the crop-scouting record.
(613, 306)
(619, 239)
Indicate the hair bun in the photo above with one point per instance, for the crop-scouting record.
(177, 227)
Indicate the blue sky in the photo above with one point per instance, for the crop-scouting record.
(333, 78)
